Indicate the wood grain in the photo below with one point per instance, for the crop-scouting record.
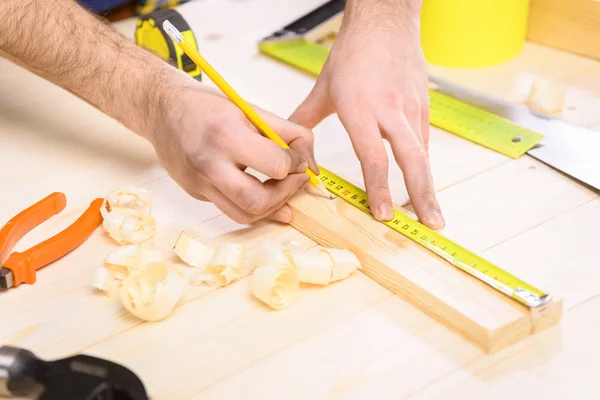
(351, 340)
(572, 25)
(229, 332)
(463, 304)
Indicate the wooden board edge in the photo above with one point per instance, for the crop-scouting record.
(490, 341)
(532, 323)
(567, 27)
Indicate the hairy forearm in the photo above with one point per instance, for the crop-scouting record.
(62, 42)
(383, 14)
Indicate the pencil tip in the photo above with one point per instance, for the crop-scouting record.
(319, 190)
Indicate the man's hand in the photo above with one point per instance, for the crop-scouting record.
(375, 79)
(206, 143)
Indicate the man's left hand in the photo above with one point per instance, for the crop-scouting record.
(375, 79)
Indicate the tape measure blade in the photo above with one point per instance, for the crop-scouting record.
(443, 247)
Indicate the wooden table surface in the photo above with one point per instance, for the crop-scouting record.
(349, 340)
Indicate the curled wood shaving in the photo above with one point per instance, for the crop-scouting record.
(152, 292)
(323, 265)
(276, 279)
(312, 266)
(274, 254)
(275, 284)
(130, 197)
(547, 97)
(127, 215)
(192, 251)
(125, 259)
(128, 226)
(225, 263)
(344, 262)
(103, 280)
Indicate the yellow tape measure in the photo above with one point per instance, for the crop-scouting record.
(149, 33)
(459, 118)
(453, 253)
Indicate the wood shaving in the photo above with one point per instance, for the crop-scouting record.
(125, 259)
(130, 197)
(225, 263)
(153, 291)
(274, 254)
(103, 281)
(275, 284)
(192, 251)
(312, 266)
(276, 279)
(127, 215)
(128, 226)
(323, 265)
(547, 97)
(344, 262)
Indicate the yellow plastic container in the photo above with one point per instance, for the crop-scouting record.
(472, 33)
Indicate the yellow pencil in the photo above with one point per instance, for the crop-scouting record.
(250, 113)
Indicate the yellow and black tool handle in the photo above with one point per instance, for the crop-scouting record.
(151, 35)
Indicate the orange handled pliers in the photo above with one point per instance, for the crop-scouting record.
(17, 268)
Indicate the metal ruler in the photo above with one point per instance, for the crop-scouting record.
(453, 253)
(290, 46)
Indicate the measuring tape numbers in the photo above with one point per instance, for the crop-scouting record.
(453, 253)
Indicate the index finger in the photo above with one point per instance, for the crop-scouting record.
(267, 157)
(298, 137)
(252, 195)
(368, 145)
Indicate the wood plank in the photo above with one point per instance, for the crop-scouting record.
(30, 316)
(568, 25)
(460, 302)
(84, 156)
(364, 356)
(229, 331)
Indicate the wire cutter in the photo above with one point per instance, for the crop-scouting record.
(17, 268)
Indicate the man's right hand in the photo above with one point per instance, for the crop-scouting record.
(205, 142)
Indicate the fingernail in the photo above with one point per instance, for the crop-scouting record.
(303, 167)
(436, 220)
(386, 212)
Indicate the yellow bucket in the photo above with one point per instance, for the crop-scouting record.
(472, 33)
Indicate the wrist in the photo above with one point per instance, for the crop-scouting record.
(149, 94)
(176, 101)
(397, 16)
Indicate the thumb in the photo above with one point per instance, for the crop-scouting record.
(313, 109)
